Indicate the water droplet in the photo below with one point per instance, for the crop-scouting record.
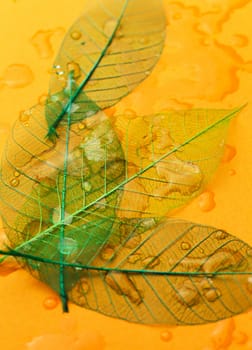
(119, 34)
(206, 201)
(249, 252)
(68, 218)
(41, 40)
(109, 27)
(14, 182)
(68, 247)
(222, 334)
(148, 72)
(166, 335)
(51, 303)
(220, 235)
(212, 294)
(239, 337)
(231, 172)
(87, 186)
(123, 285)
(81, 126)
(223, 260)
(83, 286)
(188, 294)
(75, 68)
(107, 253)
(185, 245)
(101, 204)
(76, 35)
(17, 173)
(17, 76)
(239, 40)
(133, 258)
(42, 99)
(229, 154)
(24, 116)
(150, 262)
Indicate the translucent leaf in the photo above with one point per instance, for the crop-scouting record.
(110, 49)
(150, 271)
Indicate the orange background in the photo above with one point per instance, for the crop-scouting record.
(207, 62)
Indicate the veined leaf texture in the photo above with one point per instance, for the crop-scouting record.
(83, 196)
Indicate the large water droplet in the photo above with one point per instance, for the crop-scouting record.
(166, 335)
(206, 201)
(185, 245)
(17, 76)
(14, 182)
(76, 35)
(75, 68)
(41, 40)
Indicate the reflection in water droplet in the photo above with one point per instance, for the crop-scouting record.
(50, 303)
(75, 68)
(76, 35)
(185, 246)
(166, 335)
(212, 294)
(206, 201)
(69, 246)
(229, 153)
(17, 76)
(14, 182)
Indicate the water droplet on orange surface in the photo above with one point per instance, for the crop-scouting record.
(166, 335)
(239, 40)
(107, 253)
(150, 262)
(24, 116)
(41, 40)
(14, 182)
(206, 201)
(229, 153)
(76, 35)
(75, 68)
(222, 334)
(133, 258)
(212, 294)
(51, 303)
(185, 245)
(17, 76)
(17, 173)
(240, 337)
(231, 172)
(220, 235)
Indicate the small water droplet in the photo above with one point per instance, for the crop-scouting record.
(206, 201)
(76, 35)
(231, 172)
(68, 247)
(83, 286)
(133, 258)
(87, 186)
(24, 116)
(220, 235)
(75, 68)
(17, 173)
(14, 182)
(148, 72)
(42, 99)
(229, 154)
(81, 126)
(51, 303)
(17, 76)
(68, 218)
(166, 335)
(150, 262)
(185, 245)
(212, 294)
(107, 253)
(109, 26)
(119, 34)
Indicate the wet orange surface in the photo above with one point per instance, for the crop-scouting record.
(207, 62)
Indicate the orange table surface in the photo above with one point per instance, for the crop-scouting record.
(206, 63)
